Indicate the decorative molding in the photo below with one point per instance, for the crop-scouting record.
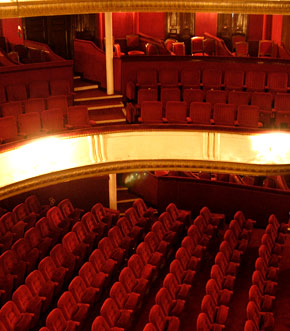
(54, 7)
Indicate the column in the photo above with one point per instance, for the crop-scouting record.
(113, 191)
(109, 53)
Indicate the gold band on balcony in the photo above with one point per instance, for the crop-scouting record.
(26, 8)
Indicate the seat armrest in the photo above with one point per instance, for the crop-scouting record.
(188, 119)
(164, 119)
(140, 120)
(212, 121)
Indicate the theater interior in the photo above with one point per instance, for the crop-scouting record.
(144, 165)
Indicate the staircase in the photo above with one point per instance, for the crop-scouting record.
(103, 108)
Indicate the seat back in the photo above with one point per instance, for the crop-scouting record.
(175, 111)
(151, 112)
(264, 100)
(16, 92)
(146, 94)
(29, 124)
(8, 128)
(265, 48)
(147, 78)
(248, 116)
(190, 78)
(212, 79)
(168, 77)
(196, 44)
(224, 114)
(192, 95)
(277, 81)
(178, 48)
(39, 89)
(78, 116)
(242, 48)
(60, 87)
(234, 79)
(34, 105)
(52, 120)
(255, 81)
(216, 96)
(200, 112)
(13, 108)
(58, 101)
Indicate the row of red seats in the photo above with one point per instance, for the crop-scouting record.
(127, 294)
(170, 299)
(219, 288)
(264, 278)
(53, 270)
(46, 122)
(104, 261)
(35, 89)
(246, 116)
(209, 78)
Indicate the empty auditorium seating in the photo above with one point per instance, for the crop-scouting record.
(234, 80)
(56, 321)
(146, 94)
(98, 228)
(242, 48)
(26, 253)
(143, 210)
(169, 306)
(58, 101)
(100, 323)
(197, 45)
(16, 92)
(105, 214)
(255, 81)
(63, 258)
(127, 228)
(239, 98)
(168, 77)
(199, 113)
(59, 87)
(12, 108)
(161, 321)
(177, 290)
(35, 206)
(164, 234)
(224, 114)
(211, 79)
(190, 79)
(78, 117)
(22, 213)
(262, 321)
(216, 314)
(263, 301)
(34, 105)
(29, 124)
(265, 48)
(146, 78)
(148, 257)
(182, 275)
(277, 82)
(221, 296)
(110, 251)
(36, 240)
(39, 89)
(155, 244)
(248, 116)
(133, 284)
(52, 120)
(192, 95)
(175, 112)
(178, 48)
(141, 269)
(72, 244)
(8, 129)
(151, 112)
(96, 279)
(124, 299)
(82, 292)
(216, 96)
(120, 240)
(57, 221)
(169, 94)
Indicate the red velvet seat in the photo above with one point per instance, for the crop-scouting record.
(239, 98)
(169, 306)
(12, 108)
(164, 234)
(63, 258)
(216, 314)
(245, 223)
(264, 100)
(198, 237)
(255, 81)
(149, 327)
(46, 231)
(176, 290)
(133, 284)
(250, 326)
(52, 120)
(146, 94)
(143, 210)
(12, 265)
(196, 44)
(265, 286)
(179, 214)
(248, 116)
(38, 89)
(187, 260)
(189, 244)
(128, 229)
(277, 82)
(216, 96)
(58, 101)
(200, 113)
(262, 321)
(242, 48)
(57, 221)
(234, 80)
(265, 48)
(78, 117)
(72, 244)
(227, 267)
(169, 94)
(281, 102)
(16, 92)
(55, 321)
(148, 257)
(34, 105)
(242, 236)
(211, 79)
(6, 237)
(170, 224)
(124, 299)
(220, 296)
(264, 302)
(151, 112)
(120, 240)
(94, 226)
(36, 240)
(26, 302)
(35, 206)
(2, 94)
(71, 309)
(114, 316)
(8, 221)
(203, 323)
(26, 253)
(141, 269)
(8, 129)
(53, 272)
(22, 213)
(13, 319)
(206, 229)
(91, 277)
(224, 114)
(190, 78)
(69, 210)
(192, 95)
(82, 292)
(232, 255)
(155, 244)
(29, 124)
(182, 276)
(101, 263)
(110, 251)
(59, 87)
(136, 220)
(175, 112)
(146, 78)
(223, 281)
(100, 323)
(168, 77)
(178, 48)
(38, 285)
(268, 272)
(161, 321)
(105, 214)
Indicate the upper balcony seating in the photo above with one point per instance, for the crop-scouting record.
(242, 48)
(255, 81)
(168, 77)
(234, 80)
(192, 95)
(224, 114)
(199, 113)
(215, 96)
(52, 120)
(238, 98)
(197, 45)
(178, 48)
(175, 112)
(211, 79)
(151, 112)
(277, 82)
(266, 48)
(146, 94)
(248, 116)
(190, 79)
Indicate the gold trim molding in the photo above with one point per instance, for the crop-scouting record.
(31, 8)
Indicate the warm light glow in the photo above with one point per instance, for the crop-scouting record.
(272, 148)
